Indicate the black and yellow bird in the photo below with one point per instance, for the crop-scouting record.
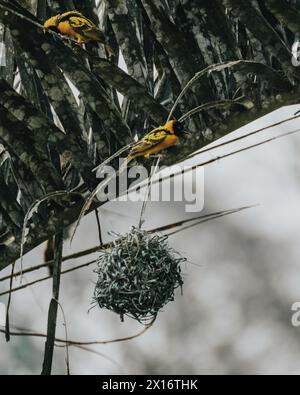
(74, 24)
(155, 141)
(158, 140)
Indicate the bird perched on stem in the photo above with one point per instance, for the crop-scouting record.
(74, 24)
(152, 143)
(157, 140)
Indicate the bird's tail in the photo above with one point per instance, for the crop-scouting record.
(116, 154)
(95, 34)
(99, 36)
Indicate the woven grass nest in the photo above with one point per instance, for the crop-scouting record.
(138, 275)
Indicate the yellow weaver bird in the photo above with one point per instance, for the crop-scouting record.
(76, 25)
(157, 140)
(152, 143)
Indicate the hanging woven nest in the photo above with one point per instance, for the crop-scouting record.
(138, 275)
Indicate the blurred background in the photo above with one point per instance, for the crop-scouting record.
(241, 278)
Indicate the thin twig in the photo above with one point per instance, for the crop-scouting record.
(210, 106)
(67, 337)
(201, 218)
(76, 255)
(99, 227)
(47, 278)
(144, 205)
(220, 215)
(115, 155)
(7, 329)
(202, 151)
(72, 343)
(100, 354)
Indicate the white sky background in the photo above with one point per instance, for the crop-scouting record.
(234, 315)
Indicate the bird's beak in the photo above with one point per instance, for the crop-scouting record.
(49, 24)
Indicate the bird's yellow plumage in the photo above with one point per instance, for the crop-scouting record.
(157, 140)
(74, 24)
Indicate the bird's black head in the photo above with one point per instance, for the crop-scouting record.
(178, 128)
(51, 23)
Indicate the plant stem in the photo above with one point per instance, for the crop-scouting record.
(53, 307)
